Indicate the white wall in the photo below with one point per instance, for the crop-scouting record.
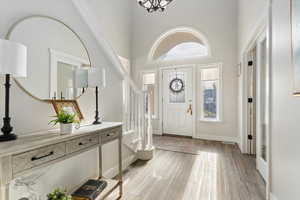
(29, 115)
(115, 18)
(285, 110)
(251, 14)
(217, 20)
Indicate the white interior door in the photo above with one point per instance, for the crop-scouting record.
(178, 101)
(262, 106)
(252, 101)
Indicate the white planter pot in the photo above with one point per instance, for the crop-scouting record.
(66, 129)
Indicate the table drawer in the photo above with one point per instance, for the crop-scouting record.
(82, 143)
(37, 157)
(110, 135)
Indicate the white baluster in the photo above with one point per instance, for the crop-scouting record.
(143, 122)
(136, 114)
(140, 120)
(132, 110)
(149, 128)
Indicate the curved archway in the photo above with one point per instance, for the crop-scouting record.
(175, 36)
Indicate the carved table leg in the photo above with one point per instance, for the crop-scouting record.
(4, 192)
(100, 161)
(5, 176)
(120, 166)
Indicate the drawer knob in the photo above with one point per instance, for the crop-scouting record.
(41, 157)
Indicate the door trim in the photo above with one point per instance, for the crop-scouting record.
(193, 67)
(261, 165)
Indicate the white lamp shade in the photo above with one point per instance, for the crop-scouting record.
(13, 58)
(81, 78)
(97, 77)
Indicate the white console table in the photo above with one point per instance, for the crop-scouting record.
(34, 151)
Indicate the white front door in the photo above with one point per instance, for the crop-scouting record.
(263, 111)
(178, 105)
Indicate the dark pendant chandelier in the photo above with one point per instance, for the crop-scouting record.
(154, 5)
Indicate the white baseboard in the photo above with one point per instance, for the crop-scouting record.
(240, 146)
(218, 138)
(112, 172)
(272, 197)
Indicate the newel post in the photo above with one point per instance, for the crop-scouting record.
(146, 152)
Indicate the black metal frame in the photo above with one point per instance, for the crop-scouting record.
(155, 5)
(7, 128)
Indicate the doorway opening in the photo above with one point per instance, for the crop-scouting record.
(257, 78)
(175, 54)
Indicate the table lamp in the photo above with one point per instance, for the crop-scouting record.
(97, 79)
(13, 62)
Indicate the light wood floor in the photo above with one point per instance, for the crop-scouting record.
(216, 172)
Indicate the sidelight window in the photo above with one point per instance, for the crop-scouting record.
(210, 94)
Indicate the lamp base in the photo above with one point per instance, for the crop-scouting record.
(8, 137)
(96, 122)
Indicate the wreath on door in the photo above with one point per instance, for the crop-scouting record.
(176, 85)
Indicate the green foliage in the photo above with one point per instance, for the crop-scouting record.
(64, 118)
(58, 194)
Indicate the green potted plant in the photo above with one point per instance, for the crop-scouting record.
(66, 121)
(58, 194)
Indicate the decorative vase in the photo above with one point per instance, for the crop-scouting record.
(66, 128)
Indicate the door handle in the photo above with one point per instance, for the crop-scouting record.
(190, 109)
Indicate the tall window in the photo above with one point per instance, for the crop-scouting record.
(210, 94)
(149, 80)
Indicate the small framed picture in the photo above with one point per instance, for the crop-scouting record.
(70, 106)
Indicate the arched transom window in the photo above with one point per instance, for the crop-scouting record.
(180, 45)
(185, 50)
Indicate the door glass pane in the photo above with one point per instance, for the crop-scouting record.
(177, 96)
(210, 99)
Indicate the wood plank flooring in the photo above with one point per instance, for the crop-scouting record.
(215, 171)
